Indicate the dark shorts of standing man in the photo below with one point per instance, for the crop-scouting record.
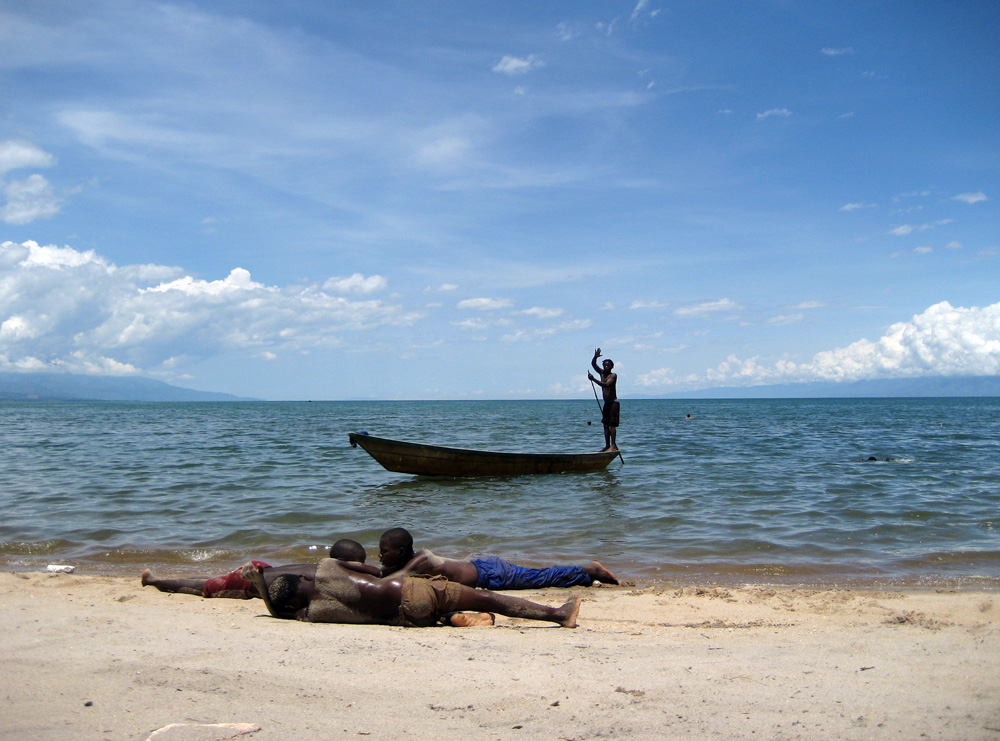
(611, 414)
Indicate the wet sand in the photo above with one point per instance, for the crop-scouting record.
(99, 657)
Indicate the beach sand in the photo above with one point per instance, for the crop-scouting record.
(99, 657)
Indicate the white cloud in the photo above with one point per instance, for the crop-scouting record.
(641, 9)
(942, 341)
(485, 304)
(641, 304)
(904, 229)
(32, 198)
(780, 112)
(857, 206)
(783, 319)
(73, 310)
(28, 200)
(707, 308)
(830, 52)
(474, 323)
(540, 312)
(237, 280)
(518, 65)
(970, 198)
(809, 305)
(16, 155)
(357, 283)
(530, 335)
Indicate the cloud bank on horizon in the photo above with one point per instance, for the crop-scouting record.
(75, 312)
(326, 203)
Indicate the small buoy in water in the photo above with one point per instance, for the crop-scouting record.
(588, 423)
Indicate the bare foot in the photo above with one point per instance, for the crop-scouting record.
(597, 572)
(147, 575)
(569, 611)
(471, 619)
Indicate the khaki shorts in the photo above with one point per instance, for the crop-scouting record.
(426, 599)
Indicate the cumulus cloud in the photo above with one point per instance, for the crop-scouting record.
(17, 155)
(32, 198)
(357, 283)
(944, 340)
(71, 310)
(485, 304)
(540, 312)
(518, 65)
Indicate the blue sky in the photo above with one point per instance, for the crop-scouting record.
(299, 200)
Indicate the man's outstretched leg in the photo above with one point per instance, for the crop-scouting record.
(179, 586)
(481, 600)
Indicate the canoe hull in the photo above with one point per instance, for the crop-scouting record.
(436, 460)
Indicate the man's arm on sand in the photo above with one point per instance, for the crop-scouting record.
(255, 576)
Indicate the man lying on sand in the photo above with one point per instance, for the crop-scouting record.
(331, 593)
(234, 586)
(395, 551)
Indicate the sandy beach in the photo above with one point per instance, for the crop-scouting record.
(99, 657)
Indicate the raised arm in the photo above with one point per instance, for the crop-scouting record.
(593, 362)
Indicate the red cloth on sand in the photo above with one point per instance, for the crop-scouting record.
(232, 585)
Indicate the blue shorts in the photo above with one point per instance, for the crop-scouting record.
(496, 573)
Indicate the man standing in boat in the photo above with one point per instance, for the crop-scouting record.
(611, 411)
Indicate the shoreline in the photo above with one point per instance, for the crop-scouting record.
(98, 656)
(722, 575)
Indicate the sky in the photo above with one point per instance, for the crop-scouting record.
(463, 200)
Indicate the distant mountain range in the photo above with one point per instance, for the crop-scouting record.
(71, 387)
(927, 386)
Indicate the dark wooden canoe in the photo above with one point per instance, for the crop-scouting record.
(435, 460)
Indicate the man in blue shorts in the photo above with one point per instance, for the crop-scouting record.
(481, 571)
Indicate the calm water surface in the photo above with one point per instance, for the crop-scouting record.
(746, 491)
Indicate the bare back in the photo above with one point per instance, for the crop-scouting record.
(344, 596)
(426, 562)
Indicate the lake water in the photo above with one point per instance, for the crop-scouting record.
(746, 491)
